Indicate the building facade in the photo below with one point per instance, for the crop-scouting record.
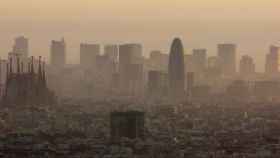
(129, 124)
(272, 60)
(58, 53)
(247, 66)
(21, 46)
(176, 70)
(112, 51)
(26, 88)
(199, 60)
(227, 56)
(131, 68)
(88, 53)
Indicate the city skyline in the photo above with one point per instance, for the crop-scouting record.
(260, 67)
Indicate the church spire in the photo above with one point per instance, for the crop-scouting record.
(44, 75)
(28, 67)
(11, 65)
(7, 72)
(40, 68)
(7, 79)
(32, 65)
(18, 65)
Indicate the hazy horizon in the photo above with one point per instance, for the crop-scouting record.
(252, 25)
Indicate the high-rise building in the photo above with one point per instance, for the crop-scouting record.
(238, 90)
(21, 47)
(272, 60)
(105, 70)
(88, 53)
(157, 83)
(112, 51)
(158, 60)
(176, 72)
(227, 56)
(190, 83)
(58, 53)
(199, 60)
(213, 62)
(247, 65)
(155, 54)
(130, 62)
(213, 67)
(189, 63)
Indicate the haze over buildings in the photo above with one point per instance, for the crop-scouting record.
(141, 79)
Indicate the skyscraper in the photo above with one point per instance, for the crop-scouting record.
(272, 60)
(213, 68)
(189, 63)
(88, 53)
(199, 60)
(130, 67)
(21, 47)
(58, 53)
(112, 51)
(159, 60)
(156, 83)
(190, 83)
(247, 66)
(227, 55)
(176, 70)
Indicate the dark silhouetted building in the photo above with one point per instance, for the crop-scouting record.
(247, 66)
(26, 88)
(227, 56)
(127, 124)
(58, 53)
(176, 70)
(88, 53)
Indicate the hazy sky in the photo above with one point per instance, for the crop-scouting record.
(252, 24)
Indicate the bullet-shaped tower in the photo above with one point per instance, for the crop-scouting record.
(176, 71)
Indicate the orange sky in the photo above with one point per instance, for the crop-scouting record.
(115, 8)
(253, 24)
